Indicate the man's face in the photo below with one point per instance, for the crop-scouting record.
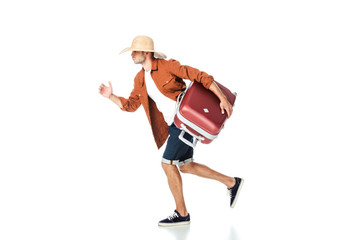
(138, 57)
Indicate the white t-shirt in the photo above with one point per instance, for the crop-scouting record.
(165, 105)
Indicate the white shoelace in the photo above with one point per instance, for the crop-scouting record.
(173, 215)
(229, 193)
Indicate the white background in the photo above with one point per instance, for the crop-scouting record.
(73, 166)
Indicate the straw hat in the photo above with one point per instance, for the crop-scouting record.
(145, 44)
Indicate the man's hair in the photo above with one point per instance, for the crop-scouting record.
(152, 55)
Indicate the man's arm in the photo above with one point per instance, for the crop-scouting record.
(129, 105)
(115, 99)
(107, 92)
(193, 74)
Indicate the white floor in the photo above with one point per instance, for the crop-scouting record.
(109, 198)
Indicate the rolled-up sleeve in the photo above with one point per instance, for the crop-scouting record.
(187, 72)
(132, 103)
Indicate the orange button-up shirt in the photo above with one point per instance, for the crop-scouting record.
(168, 76)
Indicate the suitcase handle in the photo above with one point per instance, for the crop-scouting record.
(179, 97)
(187, 142)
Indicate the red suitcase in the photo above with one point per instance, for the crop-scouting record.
(198, 113)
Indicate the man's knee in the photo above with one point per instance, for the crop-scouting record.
(187, 168)
(167, 166)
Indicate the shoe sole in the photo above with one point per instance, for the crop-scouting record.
(173, 224)
(237, 194)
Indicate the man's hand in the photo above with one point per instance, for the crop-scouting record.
(224, 103)
(105, 91)
(226, 106)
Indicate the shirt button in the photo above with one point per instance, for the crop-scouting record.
(167, 81)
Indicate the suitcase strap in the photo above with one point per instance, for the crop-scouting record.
(187, 142)
(183, 127)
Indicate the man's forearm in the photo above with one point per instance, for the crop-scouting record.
(224, 103)
(115, 100)
(216, 90)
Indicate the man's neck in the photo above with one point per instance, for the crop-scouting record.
(147, 64)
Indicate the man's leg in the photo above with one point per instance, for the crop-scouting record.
(175, 184)
(206, 172)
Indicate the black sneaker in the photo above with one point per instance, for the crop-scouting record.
(234, 191)
(175, 219)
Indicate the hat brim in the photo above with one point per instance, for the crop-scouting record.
(157, 54)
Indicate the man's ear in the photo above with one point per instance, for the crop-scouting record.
(148, 54)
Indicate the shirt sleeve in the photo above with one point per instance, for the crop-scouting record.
(187, 72)
(132, 103)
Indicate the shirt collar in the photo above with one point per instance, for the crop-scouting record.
(154, 64)
(154, 67)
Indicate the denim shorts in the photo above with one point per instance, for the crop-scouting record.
(176, 151)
